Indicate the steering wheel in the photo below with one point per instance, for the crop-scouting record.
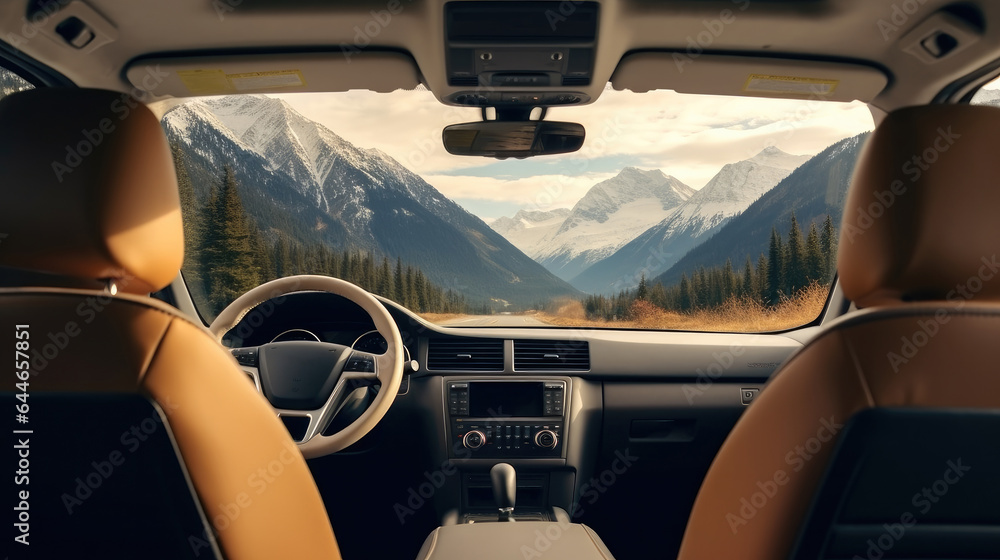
(313, 380)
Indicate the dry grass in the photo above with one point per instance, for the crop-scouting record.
(736, 315)
(441, 317)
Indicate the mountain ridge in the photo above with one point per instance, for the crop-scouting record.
(300, 179)
(657, 248)
(610, 214)
(814, 190)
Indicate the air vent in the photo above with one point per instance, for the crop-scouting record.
(464, 81)
(576, 80)
(465, 354)
(551, 355)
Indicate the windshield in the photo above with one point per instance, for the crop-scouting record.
(683, 212)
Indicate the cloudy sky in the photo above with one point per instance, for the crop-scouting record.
(688, 136)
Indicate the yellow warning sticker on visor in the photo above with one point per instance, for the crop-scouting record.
(215, 82)
(763, 83)
(266, 80)
(205, 82)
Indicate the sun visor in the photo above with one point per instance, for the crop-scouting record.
(747, 76)
(274, 73)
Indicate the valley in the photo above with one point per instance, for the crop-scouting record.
(314, 202)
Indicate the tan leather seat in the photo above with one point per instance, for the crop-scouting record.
(918, 251)
(89, 193)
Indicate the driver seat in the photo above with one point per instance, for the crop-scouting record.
(141, 436)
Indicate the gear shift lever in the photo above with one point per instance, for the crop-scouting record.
(504, 480)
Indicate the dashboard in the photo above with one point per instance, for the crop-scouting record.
(565, 407)
(609, 354)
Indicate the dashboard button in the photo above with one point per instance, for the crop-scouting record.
(245, 356)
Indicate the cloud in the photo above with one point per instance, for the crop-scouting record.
(540, 192)
(688, 136)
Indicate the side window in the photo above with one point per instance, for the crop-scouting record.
(11, 83)
(989, 94)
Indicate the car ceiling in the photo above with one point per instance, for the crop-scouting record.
(853, 31)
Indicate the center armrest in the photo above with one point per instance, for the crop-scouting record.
(502, 541)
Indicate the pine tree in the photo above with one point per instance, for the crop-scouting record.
(775, 268)
(399, 283)
(728, 281)
(343, 259)
(747, 289)
(420, 289)
(354, 272)
(234, 270)
(815, 261)
(642, 292)
(686, 300)
(334, 266)
(411, 289)
(210, 248)
(282, 258)
(828, 244)
(658, 295)
(763, 290)
(385, 284)
(262, 255)
(325, 261)
(298, 260)
(795, 267)
(193, 223)
(704, 289)
(368, 271)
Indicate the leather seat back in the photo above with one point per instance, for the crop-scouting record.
(918, 249)
(90, 195)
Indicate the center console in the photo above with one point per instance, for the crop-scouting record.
(519, 445)
(523, 418)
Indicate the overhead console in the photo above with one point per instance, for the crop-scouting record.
(516, 53)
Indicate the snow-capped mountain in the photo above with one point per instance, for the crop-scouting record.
(612, 213)
(989, 97)
(727, 194)
(814, 190)
(10, 83)
(527, 229)
(299, 178)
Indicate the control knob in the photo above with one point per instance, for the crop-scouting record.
(474, 439)
(546, 439)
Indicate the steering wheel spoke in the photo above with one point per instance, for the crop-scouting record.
(247, 358)
(320, 418)
(384, 366)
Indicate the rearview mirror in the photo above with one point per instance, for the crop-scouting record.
(517, 139)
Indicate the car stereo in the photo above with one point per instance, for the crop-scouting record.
(510, 418)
